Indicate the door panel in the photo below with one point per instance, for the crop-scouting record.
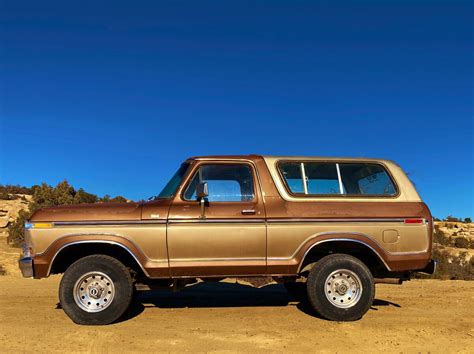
(227, 241)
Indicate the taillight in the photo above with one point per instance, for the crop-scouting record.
(414, 221)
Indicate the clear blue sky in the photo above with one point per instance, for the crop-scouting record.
(113, 96)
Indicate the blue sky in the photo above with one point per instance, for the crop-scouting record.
(114, 95)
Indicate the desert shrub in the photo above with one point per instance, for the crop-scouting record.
(467, 220)
(441, 238)
(4, 195)
(16, 228)
(14, 189)
(2, 270)
(453, 267)
(82, 196)
(461, 242)
(45, 195)
(452, 219)
(107, 199)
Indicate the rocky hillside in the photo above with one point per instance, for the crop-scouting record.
(9, 209)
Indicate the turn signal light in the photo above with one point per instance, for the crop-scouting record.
(38, 225)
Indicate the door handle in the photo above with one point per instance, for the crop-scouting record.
(248, 212)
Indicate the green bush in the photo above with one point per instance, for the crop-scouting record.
(467, 220)
(15, 189)
(47, 196)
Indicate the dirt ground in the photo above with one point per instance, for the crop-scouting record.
(419, 316)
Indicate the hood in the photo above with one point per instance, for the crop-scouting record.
(86, 212)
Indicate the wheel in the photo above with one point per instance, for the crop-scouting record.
(340, 288)
(96, 290)
(296, 290)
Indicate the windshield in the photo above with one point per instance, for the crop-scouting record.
(174, 182)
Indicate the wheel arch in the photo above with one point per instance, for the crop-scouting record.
(70, 252)
(345, 245)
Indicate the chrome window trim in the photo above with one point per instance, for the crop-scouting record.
(304, 178)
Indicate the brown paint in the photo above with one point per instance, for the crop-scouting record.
(268, 205)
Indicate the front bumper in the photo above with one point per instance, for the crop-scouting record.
(26, 266)
(430, 267)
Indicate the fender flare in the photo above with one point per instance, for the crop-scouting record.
(342, 239)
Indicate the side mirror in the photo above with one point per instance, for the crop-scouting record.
(202, 191)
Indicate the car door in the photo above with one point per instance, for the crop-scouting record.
(231, 237)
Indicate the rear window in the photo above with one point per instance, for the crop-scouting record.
(336, 179)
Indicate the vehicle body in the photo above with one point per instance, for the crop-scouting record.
(234, 216)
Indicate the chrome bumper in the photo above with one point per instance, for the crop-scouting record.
(26, 266)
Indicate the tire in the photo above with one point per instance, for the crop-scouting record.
(340, 288)
(106, 298)
(296, 290)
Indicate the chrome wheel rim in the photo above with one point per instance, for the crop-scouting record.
(94, 292)
(343, 288)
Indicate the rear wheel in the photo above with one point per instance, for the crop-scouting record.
(341, 288)
(96, 290)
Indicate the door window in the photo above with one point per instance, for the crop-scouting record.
(226, 183)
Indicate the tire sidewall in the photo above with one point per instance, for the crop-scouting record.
(316, 288)
(117, 273)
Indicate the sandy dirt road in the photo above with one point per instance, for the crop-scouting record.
(426, 316)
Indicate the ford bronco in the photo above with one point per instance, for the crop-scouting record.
(335, 226)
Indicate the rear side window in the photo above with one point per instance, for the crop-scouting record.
(336, 179)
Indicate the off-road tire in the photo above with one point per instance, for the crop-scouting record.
(118, 274)
(317, 287)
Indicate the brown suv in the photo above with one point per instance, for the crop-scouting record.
(336, 225)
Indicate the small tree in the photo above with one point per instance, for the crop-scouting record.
(467, 220)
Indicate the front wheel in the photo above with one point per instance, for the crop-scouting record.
(340, 288)
(96, 290)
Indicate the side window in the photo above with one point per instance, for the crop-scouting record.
(291, 172)
(366, 179)
(322, 178)
(226, 183)
(310, 177)
(337, 179)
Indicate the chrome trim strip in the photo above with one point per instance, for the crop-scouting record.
(95, 233)
(343, 239)
(216, 221)
(217, 259)
(339, 239)
(230, 220)
(95, 241)
(108, 222)
(296, 220)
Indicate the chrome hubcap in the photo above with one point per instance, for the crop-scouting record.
(94, 292)
(343, 288)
